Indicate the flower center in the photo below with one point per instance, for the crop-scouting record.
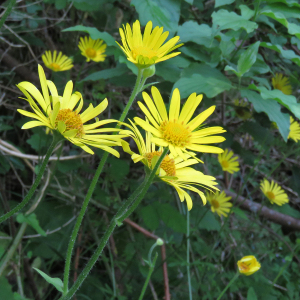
(175, 133)
(168, 164)
(215, 203)
(144, 51)
(72, 121)
(55, 66)
(225, 164)
(244, 267)
(90, 52)
(270, 195)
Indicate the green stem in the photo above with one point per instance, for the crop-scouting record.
(10, 5)
(188, 268)
(229, 284)
(136, 197)
(57, 137)
(92, 187)
(13, 248)
(136, 90)
(151, 268)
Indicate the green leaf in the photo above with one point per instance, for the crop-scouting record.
(4, 243)
(231, 20)
(279, 17)
(5, 288)
(272, 109)
(247, 59)
(258, 132)
(106, 74)
(19, 297)
(251, 294)
(288, 54)
(56, 282)
(290, 3)
(161, 13)
(39, 140)
(201, 78)
(150, 216)
(209, 222)
(170, 216)
(240, 213)
(4, 164)
(191, 31)
(32, 221)
(170, 70)
(246, 12)
(219, 3)
(288, 101)
(94, 33)
(288, 12)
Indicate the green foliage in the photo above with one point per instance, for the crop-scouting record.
(56, 282)
(232, 50)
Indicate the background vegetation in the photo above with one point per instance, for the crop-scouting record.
(232, 50)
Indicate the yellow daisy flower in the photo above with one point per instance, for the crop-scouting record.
(219, 203)
(294, 130)
(228, 163)
(177, 131)
(92, 49)
(282, 83)
(57, 63)
(147, 50)
(248, 265)
(59, 113)
(174, 171)
(274, 192)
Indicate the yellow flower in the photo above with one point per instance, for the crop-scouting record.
(174, 171)
(57, 63)
(177, 131)
(282, 83)
(147, 50)
(294, 130)
(219, 203)
(248, 265)
(59, 113)
(92, 49)
(242, 110)
(274, 192)
(228, 163)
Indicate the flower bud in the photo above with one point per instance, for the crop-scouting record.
(159, 242)
(149, 72)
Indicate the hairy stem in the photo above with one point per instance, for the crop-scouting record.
(188, 268)
(92, 187)
(136, 197)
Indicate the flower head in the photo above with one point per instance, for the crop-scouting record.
(176, 130)
(147, 50)
(242, 110)
(219, 203)
(63, 114)
(228, 163)
(174, 171)
(57, 63)
(294, 130)
(248, 265)
(92, 49)
(282, 83)
(274, 192)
